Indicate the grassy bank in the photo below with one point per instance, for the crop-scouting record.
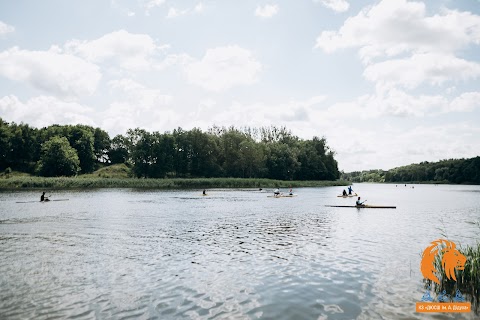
(30, 182)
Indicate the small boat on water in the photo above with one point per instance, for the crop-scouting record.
(366, 206)
(48, 200)
(283, 196)
(347, 196)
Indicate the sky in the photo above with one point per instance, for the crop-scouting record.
(387, 83)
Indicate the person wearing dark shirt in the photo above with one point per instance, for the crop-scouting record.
(359, 203)
(43, 197)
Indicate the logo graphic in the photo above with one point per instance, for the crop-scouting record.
(452, 259)
(444, 252)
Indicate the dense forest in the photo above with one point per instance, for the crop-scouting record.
(68, 150)
(445, 171)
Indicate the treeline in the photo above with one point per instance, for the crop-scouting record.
(268, 152)
(445, 171)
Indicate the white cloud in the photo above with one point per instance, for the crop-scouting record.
(5, 28)
(267, 11)
(137, 106)
(151, 4)
(59, 74)
(335, 5)
(295, 114)
(43, 111)
(175, 12)
(467, 101)
(144, 98)
(393, 27)
(170, 60)
(367, 149)
(384, 103)
(131, 51)
(224, 67)
(433, 68)
(198, 7)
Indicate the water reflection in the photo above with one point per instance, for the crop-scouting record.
(234, 254)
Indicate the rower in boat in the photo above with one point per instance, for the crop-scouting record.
(276, 192)
(350, 190)
(344, 193)
(359, 203)
(204, 192)
(43, 197)
(291, 192)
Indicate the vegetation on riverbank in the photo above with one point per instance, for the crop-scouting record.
(121, 176)
(23, 182)
(70, 150)
(465, 171)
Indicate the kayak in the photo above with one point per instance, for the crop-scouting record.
(365, 206)
(347, 196)
(283, 196)
(48, 200)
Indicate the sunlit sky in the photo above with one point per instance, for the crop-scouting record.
(387, 83)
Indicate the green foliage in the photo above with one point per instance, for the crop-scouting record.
(119, 150)
(119, 171)
(8, 172)
(101, 145)
(58, 158)
(268, 152)
(89, 181)
(445, 171)
(82, 140)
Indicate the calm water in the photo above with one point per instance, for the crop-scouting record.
(122, 253)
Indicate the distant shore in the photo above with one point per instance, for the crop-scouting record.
(33, 182)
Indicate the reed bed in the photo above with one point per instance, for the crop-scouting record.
(32, 182)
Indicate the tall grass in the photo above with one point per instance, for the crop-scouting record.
(468, 280)
(200, 183)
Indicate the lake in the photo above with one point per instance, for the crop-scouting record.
(236, 254)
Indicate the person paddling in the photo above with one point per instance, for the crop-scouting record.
(350, 190)
(204, 192)
(276, 192)
(359, 203)
(344, 193)
(43, 197)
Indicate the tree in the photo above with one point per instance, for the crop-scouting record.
(5, 145)
(58, 158)
(252, 159)
(101, 144)
(118, 151)
(282, 161)
(82, 140)
(142, 151)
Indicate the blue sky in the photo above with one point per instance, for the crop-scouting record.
(388, 83)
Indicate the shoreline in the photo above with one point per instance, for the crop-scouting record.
(31, 182)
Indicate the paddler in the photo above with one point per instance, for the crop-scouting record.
(344, 193)
(359, 203)
(43, 197)
(276, 192)
(350, 190)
